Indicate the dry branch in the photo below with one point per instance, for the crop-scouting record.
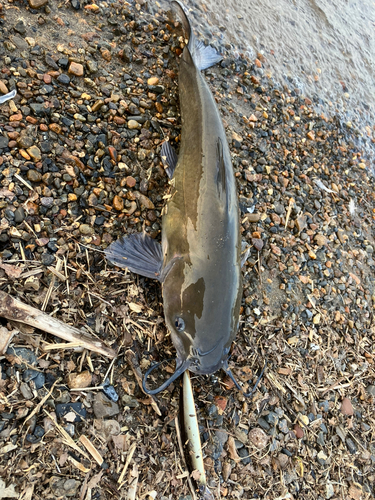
(14, 309)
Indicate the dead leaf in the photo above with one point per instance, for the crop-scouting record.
(5, 338)
(11, 271)
(137, 308)
(232, 449)
(7, 492)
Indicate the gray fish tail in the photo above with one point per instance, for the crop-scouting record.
(204, 56)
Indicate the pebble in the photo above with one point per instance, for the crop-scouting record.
(129, 401)
(62, 487)
(133, 124)
(22, 354)
(347, 407)
(76, 69)
(78, 380)
(103, 407)
(351, 446)
(25, 391)
(370, 389)
(63, 408)
(258, 438)
(118, 203)
(86, 230)
(37, 377)
(34, 176)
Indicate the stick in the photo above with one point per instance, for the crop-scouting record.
(16, 310)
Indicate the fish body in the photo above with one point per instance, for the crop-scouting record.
(198, 262)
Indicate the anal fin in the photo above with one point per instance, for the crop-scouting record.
(139, 253)
(169, 158)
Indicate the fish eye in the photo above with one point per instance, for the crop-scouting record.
(179, 324)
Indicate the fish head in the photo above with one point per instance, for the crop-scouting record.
(202, 313)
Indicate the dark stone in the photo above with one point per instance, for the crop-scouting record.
(45, 146)
(37, 377)
(67, 121)
(47, 259)
(244, 454)
(32, 439)
(63, 62)
(351, 446)
(40, 109)
(39, 431)
(110, 392)
(78, 408)
(75, 4)
(51, 62)
(20, 28)
(64, 79)
(19, 215)
(23, 354)
(4, 141)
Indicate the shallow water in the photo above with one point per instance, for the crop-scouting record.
(322, 48)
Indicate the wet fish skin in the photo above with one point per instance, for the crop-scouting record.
(198, 262)
(201, 229)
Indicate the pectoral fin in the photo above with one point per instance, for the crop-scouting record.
(169, 158)
(140, 253)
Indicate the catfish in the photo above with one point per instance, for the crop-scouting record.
(198, 260)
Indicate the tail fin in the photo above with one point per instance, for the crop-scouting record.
(204, 56)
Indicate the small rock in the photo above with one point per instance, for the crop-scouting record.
(351, 446)
(35, 153)
(118, 203)
(252, 217)
(320, 240)
(329, 489)
(370, 389)
(46, 201)
(62, 487)
(37, 4)
(77, 408)
(243, 453)
(34, 176)
(301, 222)
(258, 438)
(76, 69)
(86, 230)
(130, 181)
(22, 354)
(64, 79)
(110, 428)
(38, 378)
(104, 407)
(129, 401)
(283, 460)
(3, 88)
(298, 431)
(154, 80)
(78, 380)
(4, 141)
(132, 124)
(25, 391)
(347, 407)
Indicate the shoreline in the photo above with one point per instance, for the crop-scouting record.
(79, 165)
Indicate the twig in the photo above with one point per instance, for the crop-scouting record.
(16, 310)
